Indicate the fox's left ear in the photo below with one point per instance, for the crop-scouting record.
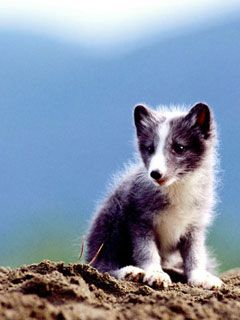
(200, 116)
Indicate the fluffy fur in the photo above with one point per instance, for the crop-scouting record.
(157, 214)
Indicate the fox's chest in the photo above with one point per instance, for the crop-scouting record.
(173, 223)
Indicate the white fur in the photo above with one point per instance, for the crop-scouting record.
(150, 276)
(158, 278)
(204, 279)
(172, 224)
(158, 161)
(122, 273)
(172, 111)
(154, 261)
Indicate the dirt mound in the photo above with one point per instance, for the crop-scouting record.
(56, 291)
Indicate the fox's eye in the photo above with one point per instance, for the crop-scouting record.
(178, 148)
(150, 149)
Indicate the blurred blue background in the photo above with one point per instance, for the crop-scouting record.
(66, 121)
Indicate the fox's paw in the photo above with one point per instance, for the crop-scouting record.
(204, 279)
(157, 279)
(131, 273)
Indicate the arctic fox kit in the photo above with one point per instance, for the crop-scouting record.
(157, 215)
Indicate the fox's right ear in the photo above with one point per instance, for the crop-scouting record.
(143, 118)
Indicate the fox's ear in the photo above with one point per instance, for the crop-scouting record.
(200, 116)
(143, 118)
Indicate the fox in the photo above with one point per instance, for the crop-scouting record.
(157, 214)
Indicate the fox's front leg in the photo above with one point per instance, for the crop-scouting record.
(194, 255)
(146, 257)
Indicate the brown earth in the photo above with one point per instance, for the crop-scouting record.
(56, 291)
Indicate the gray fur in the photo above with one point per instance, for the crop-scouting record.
(132, 221)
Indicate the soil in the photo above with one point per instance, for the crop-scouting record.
(51, 290)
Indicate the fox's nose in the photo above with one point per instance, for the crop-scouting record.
(156, 175)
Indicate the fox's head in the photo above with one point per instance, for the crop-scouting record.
(173, 143)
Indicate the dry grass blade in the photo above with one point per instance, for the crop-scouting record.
(96, 255)
(82, 248)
